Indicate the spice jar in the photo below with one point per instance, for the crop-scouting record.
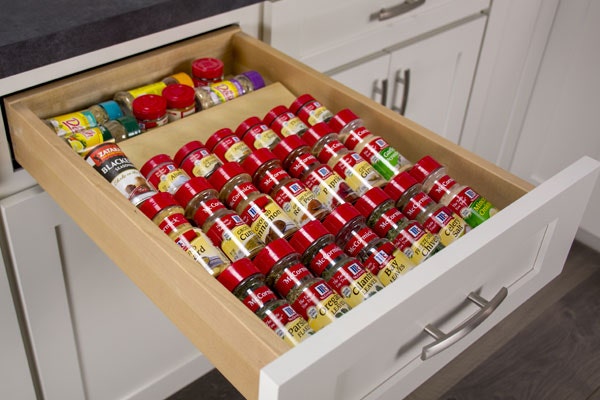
(83, 141)
(309, 110)
(284, 122)
(346, 275)
(417, 205)
(290, 193)
(387, 221)
(247, 283)
(192, 193)
(226, 90)
(125, 98)
(257, 209)
(463, 200)
(195, 159)
(256, 134)
(123, 128)
(329, 188)
(161, 172)
(180, 101)
(227, 146)
(357, 172)
(377, 254)
(150, 110)
(310, 296)
(207, 70)
(97, 114)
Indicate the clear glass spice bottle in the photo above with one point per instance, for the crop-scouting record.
(195, 159)
(97, 114)
(227, 146)
(181, 101)
(257, 209)
(125, 98)
(329, 188)
(310, 296)
(247, 283)
(291, 194)
(387, 221)
(346, 275)
(229, 89)
(207, 70)
(163, 175)
(377, 254)
(357, 172)
(150, 110)
(309, 110)
(123, 128)
(417, 205)
(256, 134)
(463, 200)
(284, 122)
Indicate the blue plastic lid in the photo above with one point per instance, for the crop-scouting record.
(112, 109)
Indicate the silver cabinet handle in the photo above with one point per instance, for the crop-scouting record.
(402, 8)
(404, 80)
(445, 340)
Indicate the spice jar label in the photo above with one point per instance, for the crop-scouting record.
(447, 225)
(384, 158)
(292, 125)
(225, 90)
(359, 241)
(65, 125)
(264, 137)
(288, 324)
(267, 219)
(329, 188)
(298, 202)
(237, 152)
(354, 284)
(357, 172)
(197, 245)
(317, 113)
(169, 180)
(258, 297)
(153, 88)
(319, 305)
(234, 237)
(205, 166)
(416, 243)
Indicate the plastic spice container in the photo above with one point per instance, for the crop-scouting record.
(387, 221)
(192, 193)
(227, 146)
(383, 157)
(150, 110)
(162, 173)
(247, 283)
(123, 128)
(97, 114)
(346, 275)
(377, 254)
(329, 188)
(257, 209)
(310, 296)
(256, 134)
(207, 70)
(125, 98)
(284, 122)
(417, 205)
(195, 159)
(309, 110)
(181, 101)
(290, 193)
(463, 200)
(226, 90)
(83, 141)
(357, 172)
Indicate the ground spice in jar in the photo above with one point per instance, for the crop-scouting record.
(123, 128)
(247, 283)
(227, 146)
(195, 159)
(150, 110)
(207, 70)
(284, 122)
(163, 175)
(310, 296)
(181, 101)
(309, 110)
(346, 275)
(227, 90)
(95, 115)
(125, 98)
(256, 134)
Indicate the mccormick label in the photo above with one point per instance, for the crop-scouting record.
(446, 224)
(234, 237)
(290, 124)
(288, 324)
(272, 178)
(357, 172)
(387, 263)
(359, 241)
(261, 136)
(416, 243)
(168, 178)
(202, 163)
(315, 112)
(354, 283)
(267, 219)
(384, 158)
(232, 149)
(329, 188)
(239, 193)
(197, 245)
(298, 202)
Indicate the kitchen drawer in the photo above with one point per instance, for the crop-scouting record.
(375, 351)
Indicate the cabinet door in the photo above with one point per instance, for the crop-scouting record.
(368, 78)
(94, 335)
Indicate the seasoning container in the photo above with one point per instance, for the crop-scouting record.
(463, 200)
(83, 141)
(125, 98)
(309, 110)
(329, 188)
(357, 172)
(387, 221)
(227, 146)
(167, 214)
(289, 193)
(310, 296)
(97, 114)
(284, 122)
(112, 163)
(207, 70)
(417, 205)
(181, 101)
(123, 128)
(195, 159)
(346, 275)
(229, 89)
(247, 283)
(257, 209)
(150, 110)
(256, 134)
(378, 255)
(163, 175)
(192, 193)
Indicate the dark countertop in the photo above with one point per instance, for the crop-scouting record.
(34, 33)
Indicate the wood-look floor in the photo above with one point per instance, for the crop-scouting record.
(548, 349)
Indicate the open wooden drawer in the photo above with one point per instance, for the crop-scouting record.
(375, 351)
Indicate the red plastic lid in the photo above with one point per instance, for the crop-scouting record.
(300, 101)
(399, 184)
(157, 202)
(179, 96)
(307, 235)
(316, 132)
(342, 119)
(155, 162)
(225, 173)
(216, 137)
(246, 125)
(149, 106)
(191, 188)
(423, 168)
(340, 216)
(372, 199)
(274, 113)
(287, 145)
(236, 273)
(253, 162)
(272, 253)
(187, 149)
(207, 67)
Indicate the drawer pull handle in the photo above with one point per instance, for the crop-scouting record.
(402, 8)
(404, 80)
(445, 340)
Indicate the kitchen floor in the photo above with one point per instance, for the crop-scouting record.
(549, 349)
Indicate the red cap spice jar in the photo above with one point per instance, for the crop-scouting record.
(192, 193)
(310, 296)
(417, 205)
(247, 283)
(387, 221)
(227, 146)
(162, 173)
(181, 101)
(377, 254)
(309, 110)
(346, 275)
(207, 70)
(256, 134)
(150, 110)
(463, 200)
(195, 159)
(284, 122)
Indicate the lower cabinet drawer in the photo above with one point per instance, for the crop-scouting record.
(378, 350)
